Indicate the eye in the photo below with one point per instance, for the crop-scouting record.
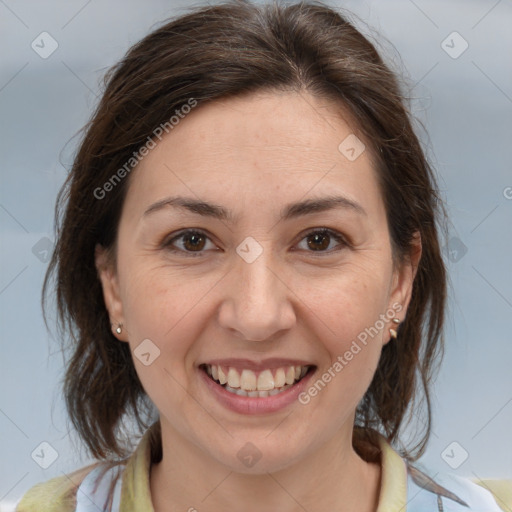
(191, 241)
(319, 240)
(194, 242)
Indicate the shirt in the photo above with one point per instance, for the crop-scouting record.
(404, 488)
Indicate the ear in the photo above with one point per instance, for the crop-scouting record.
(109, 282)
(402, 282)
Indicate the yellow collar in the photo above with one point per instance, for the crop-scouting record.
(136, 492)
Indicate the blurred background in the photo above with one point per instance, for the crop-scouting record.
(456, 61)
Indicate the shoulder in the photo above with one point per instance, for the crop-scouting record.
(501, 490)
(65, 493)
(451, 493)
(55, 495)
(101, 487)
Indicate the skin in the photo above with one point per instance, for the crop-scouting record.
(253, 155)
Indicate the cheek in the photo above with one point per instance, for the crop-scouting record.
(162, 307)
(347, 311)
(347, 303)
(167, 307)
(156, 296)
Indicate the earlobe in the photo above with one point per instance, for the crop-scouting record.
(110, 287)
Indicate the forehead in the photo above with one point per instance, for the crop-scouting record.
(257, 150)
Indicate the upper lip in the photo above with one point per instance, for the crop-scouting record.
(265, 364)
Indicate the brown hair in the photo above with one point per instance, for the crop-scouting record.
(217, 52)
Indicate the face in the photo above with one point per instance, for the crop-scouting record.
(262, 277)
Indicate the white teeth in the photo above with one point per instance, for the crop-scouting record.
(233, 378)
(223, 379)
(255, 394)
(280, 378)
(267, 383)
(248, 380)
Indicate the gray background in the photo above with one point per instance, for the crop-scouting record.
(465, 104)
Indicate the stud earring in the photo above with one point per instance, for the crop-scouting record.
(119, 328)
(393, 332)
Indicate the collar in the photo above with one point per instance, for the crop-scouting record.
(136, 491)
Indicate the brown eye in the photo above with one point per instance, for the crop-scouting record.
(319, 240)
(189, 242)
(193, 241)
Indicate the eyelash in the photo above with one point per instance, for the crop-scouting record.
(322, 231)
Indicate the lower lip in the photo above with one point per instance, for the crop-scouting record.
(254, 405)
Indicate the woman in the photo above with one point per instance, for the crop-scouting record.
(249, 264)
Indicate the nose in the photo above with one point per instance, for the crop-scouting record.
(257, 304)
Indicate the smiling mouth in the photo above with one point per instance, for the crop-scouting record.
(252, 384)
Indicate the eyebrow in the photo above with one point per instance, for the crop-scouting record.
(290, 211)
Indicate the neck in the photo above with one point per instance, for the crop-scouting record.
(332, 477)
